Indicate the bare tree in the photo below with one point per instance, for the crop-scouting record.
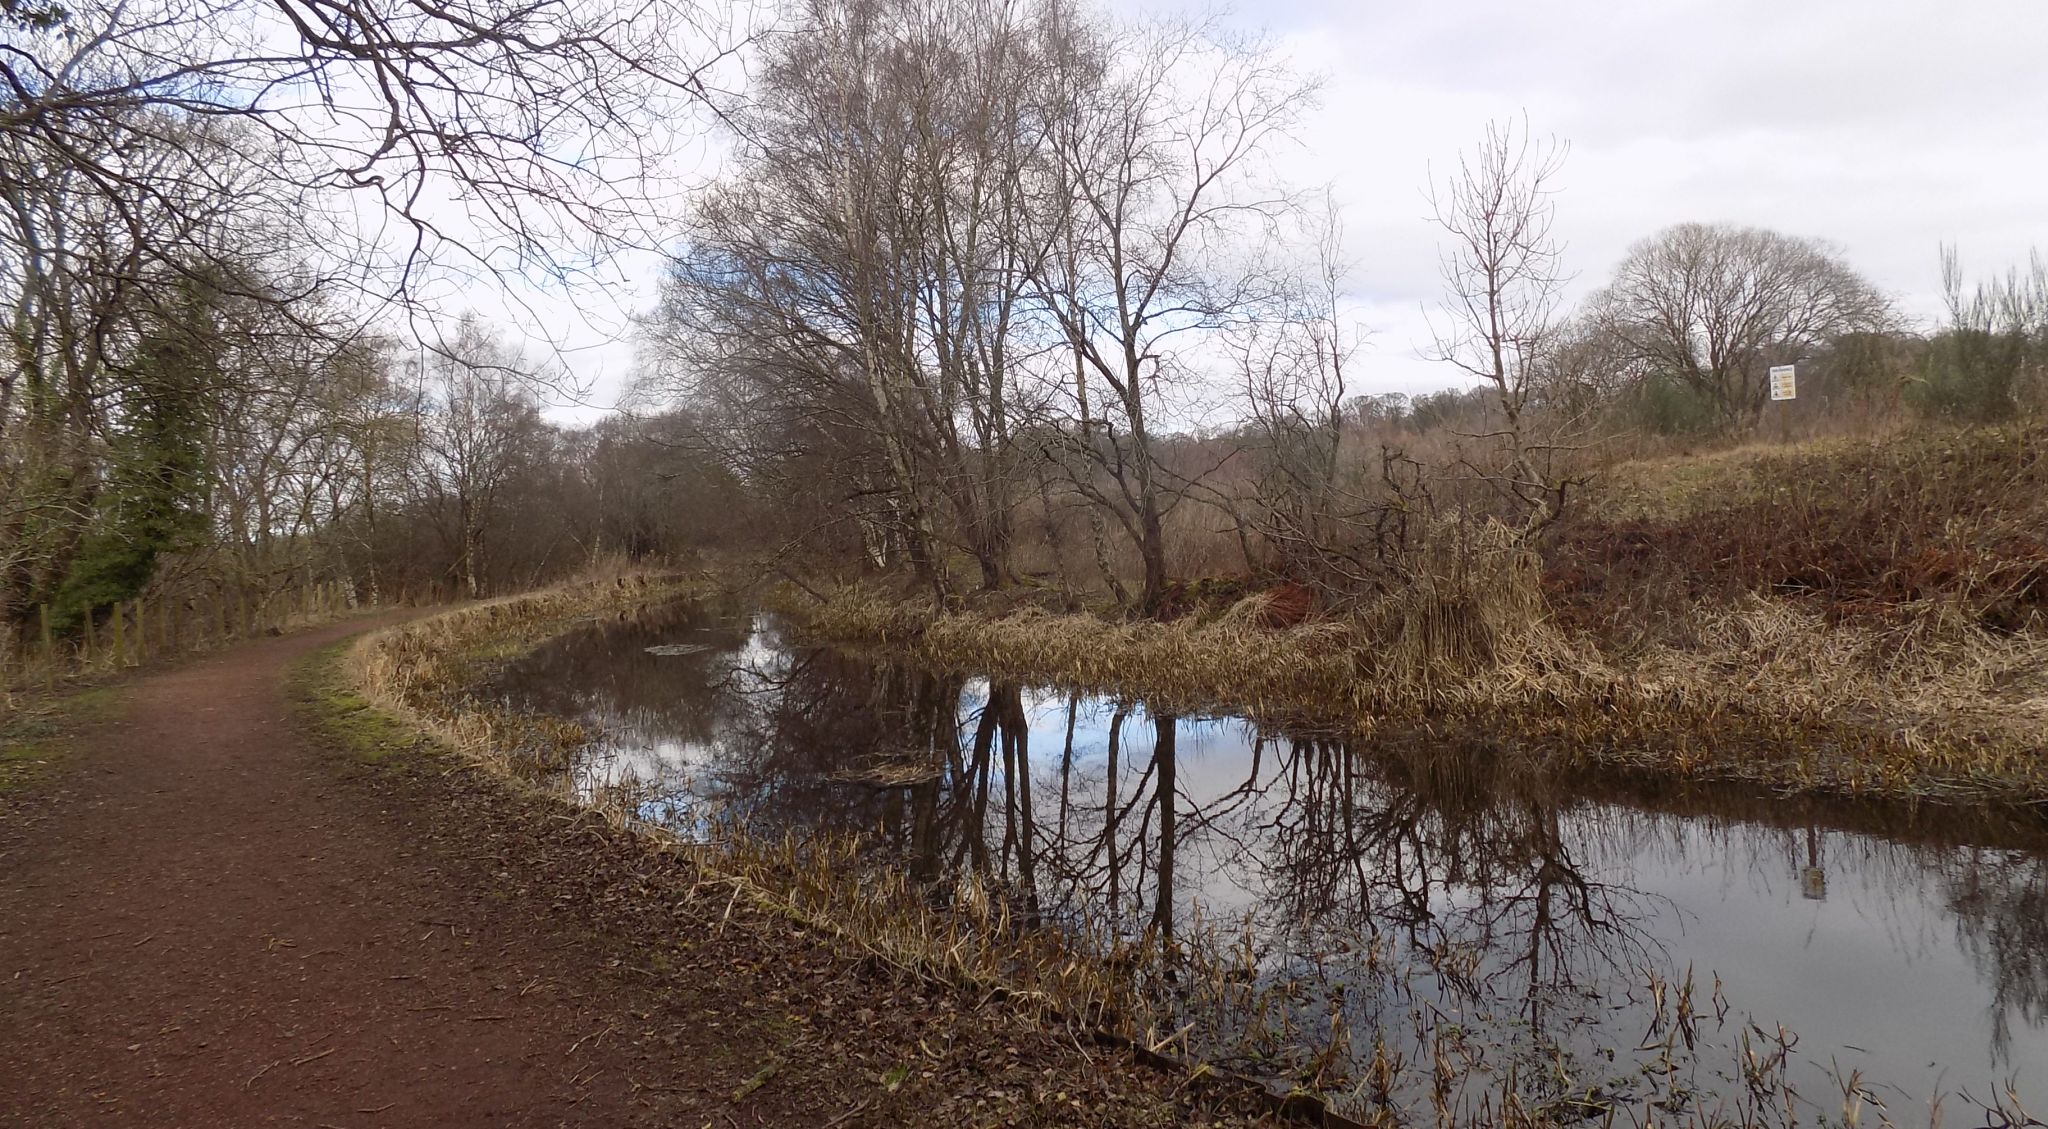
(1713, 306)
(1294, 363)
(478, 427)
(479, 112)
(1501, 284)
(267, 152)
(862, 269)
(1155, 189)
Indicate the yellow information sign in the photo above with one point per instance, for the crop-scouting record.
(1784, 382)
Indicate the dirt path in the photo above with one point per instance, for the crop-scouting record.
(208, 919)
(200, 937)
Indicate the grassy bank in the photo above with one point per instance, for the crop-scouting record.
(423, 671)
(1858, 618)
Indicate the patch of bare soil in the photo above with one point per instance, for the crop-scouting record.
(208, 917)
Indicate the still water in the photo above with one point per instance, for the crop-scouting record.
(1534, 935)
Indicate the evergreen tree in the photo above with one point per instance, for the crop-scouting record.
(153, 498)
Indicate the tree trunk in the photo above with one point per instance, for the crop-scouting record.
(1163, 729)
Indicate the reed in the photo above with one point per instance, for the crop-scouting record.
(1767, 690)
(423, 671)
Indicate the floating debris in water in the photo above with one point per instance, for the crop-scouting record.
(680, 649)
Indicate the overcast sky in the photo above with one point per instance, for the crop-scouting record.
(1886, 128)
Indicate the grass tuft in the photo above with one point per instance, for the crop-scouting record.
(38, 736)
(343, 716)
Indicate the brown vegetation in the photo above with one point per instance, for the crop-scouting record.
(1855, 617)
(421, 670)
(1883, 530)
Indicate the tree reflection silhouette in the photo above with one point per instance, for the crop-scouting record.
(1403, 885)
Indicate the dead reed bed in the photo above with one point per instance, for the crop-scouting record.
(1766, 690)
(423, 671)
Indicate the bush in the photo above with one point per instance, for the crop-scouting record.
(1663, 405)
(1971, 375)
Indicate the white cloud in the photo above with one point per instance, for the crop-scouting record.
(1888, 128)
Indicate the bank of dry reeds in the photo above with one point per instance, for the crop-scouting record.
(424, 671)
(1767, 691)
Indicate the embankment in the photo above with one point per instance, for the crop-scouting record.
(1852, 618)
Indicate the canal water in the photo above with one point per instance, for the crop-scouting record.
(1666, 954)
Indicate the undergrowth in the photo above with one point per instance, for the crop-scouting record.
(37, 735)
(1884, 531)
(1849, 617)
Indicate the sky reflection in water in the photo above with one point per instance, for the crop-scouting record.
(1912, 948)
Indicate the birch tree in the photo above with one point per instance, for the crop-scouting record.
(1502, 278)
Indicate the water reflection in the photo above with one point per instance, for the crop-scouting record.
(1453, 920)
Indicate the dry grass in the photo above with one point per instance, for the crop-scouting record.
(1767, 691)
(421, 671)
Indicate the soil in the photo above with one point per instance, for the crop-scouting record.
(211, 917)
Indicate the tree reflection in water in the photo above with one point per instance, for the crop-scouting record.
(1412, 903)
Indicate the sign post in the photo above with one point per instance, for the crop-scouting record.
(1784, 386)
(1784, 382)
